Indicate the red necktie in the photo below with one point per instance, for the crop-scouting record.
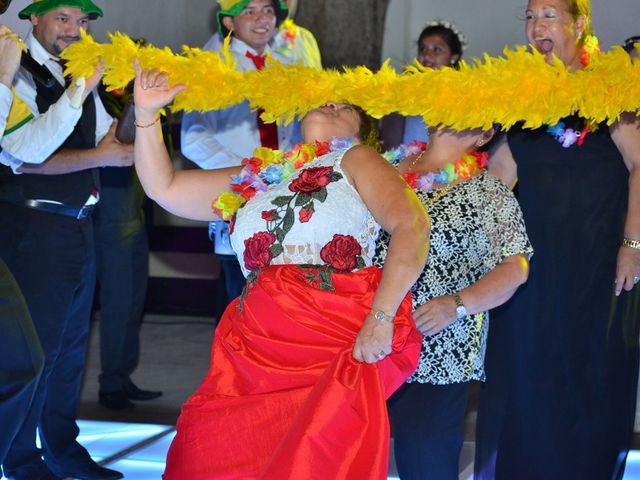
(268, 131)
(67, 78)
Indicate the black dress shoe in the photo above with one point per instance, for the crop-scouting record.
(36, 470)
(93, 471)
(115, 400)
(134, 393)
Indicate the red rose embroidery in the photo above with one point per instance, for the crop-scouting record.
(341, 252)
(311, 180)
(269, 215)
(305, 215)
(256, 250)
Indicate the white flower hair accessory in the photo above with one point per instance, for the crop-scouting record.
(450, 26)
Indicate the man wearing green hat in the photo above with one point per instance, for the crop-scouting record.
(47, 241)
(291, 41)
(222, 138)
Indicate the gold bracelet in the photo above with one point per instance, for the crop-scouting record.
(628, 242)
(148, 125)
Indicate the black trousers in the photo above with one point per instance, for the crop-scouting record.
(21, 360)
(122, 253)
(428, 429)
(52, 259)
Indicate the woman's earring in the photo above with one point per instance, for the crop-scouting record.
(579, 35)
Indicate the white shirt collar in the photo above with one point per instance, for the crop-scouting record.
(238, 46)
(38, 52)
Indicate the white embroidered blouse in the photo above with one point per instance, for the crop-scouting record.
(302, 214)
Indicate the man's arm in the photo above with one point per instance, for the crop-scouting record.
(108, 153)
(10, 51)
(37, 139)
(198, 142)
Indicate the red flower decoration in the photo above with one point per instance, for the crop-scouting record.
(269, 215)
(482, 158)
(254, 163)
(322, 148)
(245, 189)
(410, 178)
(341, 252)
(305, 215)
(256, 250)
(311, 180)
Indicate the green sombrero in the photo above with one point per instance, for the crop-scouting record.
(40, 7)
(231, 8)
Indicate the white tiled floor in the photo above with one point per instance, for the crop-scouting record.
(139, 450)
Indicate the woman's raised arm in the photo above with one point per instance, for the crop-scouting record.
(186, 193)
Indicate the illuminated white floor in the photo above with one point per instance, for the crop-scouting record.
(139, 450)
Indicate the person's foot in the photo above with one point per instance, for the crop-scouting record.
(134, 393)
(33, 471)
(93, 471)
(115, 400)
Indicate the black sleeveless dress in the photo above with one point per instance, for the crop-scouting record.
(562, 359)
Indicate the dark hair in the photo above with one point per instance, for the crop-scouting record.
(629, 43)
(447, 34)
(280, 9)
(368, 133)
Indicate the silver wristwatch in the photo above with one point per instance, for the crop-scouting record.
(461, 310)
(382, 316)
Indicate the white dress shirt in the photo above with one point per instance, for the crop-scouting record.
(222, 138)
(5, 105)
(39, 138)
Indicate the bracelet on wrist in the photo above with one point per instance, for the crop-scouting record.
(135, 122)
(382, 316)
(628, 242)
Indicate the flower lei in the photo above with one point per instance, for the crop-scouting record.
(464, 168)
(268, 167)
(287, 37)
(569, 136)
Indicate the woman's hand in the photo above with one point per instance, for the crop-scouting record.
(373, 342)
(151, 92)
(435, 315)
(628, 268)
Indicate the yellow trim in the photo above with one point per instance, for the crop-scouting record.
(19, 114)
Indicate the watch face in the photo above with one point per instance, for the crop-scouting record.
(461, 311)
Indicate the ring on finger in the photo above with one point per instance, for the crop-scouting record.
(636, 279)
(380, 355)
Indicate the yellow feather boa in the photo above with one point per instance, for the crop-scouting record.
(518, 86)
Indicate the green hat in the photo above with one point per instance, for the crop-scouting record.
(231, 8)
(40, 7)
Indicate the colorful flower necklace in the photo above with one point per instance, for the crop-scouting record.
(268, 167)
(466, 167)
(569, 136)
(287, 37)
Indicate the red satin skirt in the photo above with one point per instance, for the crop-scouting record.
(284, 398)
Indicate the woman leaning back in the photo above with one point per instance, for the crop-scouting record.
(562, 361)
(477, 259)
(302, 365)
